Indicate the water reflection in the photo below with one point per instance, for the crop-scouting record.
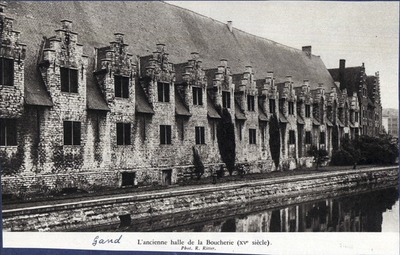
(356, 213)
(359, 213)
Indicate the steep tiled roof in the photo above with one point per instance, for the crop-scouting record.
(239, 114)
(35, 90)
(147, 23)
(282, 118)
(180, 108)
(142, 104)
(95, 99)
(261, 115)
(211, 111)
(351, 78)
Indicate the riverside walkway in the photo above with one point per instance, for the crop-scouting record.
(193, 186)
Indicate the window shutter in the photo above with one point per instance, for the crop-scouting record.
(67, 133)
(117, 86)
(125, 87)
(76, 133)
(127, 133)
(64, 79)
(166, 91)
(120, 134)
(160, 91)
(162, 135)
(195, 102)
(168, 134)
(73, 80)
(2, 132)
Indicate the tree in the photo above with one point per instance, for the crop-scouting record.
(198, 164)
(226, 140)
(320, 155)
(274, 139)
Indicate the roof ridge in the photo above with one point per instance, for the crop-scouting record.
(237, 29)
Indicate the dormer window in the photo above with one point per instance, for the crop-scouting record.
(291, 108)
(6, 72)
(69, 80)
(226, 99)
(272, 106)
(308, 111)
(197, 96)
(121, 86)
(163, 91)
(250, 103)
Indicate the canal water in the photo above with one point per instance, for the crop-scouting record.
(373, 211)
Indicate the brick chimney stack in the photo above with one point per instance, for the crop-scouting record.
(229, 24)
(342, 73)
(307, 50)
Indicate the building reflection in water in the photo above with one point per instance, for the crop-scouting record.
(358, 213)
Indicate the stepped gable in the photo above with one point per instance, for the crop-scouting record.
(144, 23)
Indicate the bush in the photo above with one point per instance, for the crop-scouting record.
(274, 139)
(320, 155)
(377, 150)
(226, 140)
(198, 164)
(342, 158)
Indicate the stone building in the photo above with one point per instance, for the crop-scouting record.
(102, 102)
(367, 88)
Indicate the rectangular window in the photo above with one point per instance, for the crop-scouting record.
(121, 86)
(272, 106)
(292, 138)
(123, 133)
(69, 80)
(252, 136)
(8, 132)
(165, 134)
(213, 130)
(163, 91)
(308, 111)
(308, 137)
(356, 116)
(226, 99)
(72, 133)
(197, 96)
(322, 138)
(250, 103)
(291, 108)
(200, 135)
(6, 71)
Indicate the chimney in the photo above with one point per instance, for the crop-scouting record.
(66, 24)
(307, 50)
(306, 82)
(119, 37)
(342, 67)
(229, 24)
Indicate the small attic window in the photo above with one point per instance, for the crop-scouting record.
(69, 80)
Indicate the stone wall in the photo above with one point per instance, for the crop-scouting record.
(88, 214)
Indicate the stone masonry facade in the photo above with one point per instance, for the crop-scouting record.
(138, 120)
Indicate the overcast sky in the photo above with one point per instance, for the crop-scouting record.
(356, 31)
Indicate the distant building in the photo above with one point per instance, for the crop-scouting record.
(390, 121)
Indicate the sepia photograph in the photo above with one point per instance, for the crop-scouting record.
(125, 117)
